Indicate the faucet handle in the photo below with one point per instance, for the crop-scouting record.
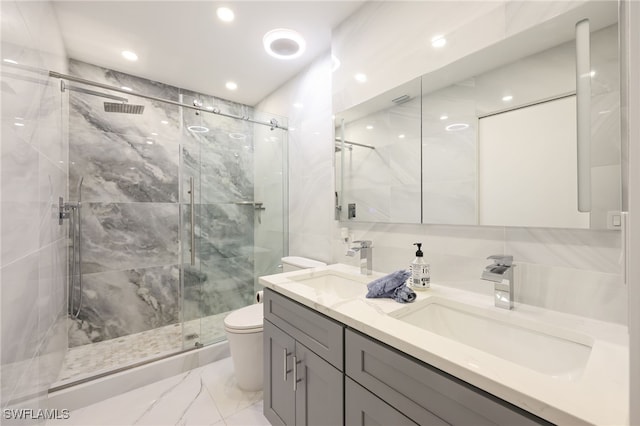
(501, 259)
(364, 243)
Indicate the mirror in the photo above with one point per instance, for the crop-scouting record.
(491, 139)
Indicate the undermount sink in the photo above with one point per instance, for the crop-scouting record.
(554, 352)
(329, 283)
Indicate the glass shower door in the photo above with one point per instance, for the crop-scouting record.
(236, 231)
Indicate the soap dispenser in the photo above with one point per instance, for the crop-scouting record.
(420, 273)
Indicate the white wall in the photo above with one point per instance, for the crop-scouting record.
(33, 170)
(311, 152)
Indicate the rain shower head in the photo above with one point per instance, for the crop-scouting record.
(123, 108)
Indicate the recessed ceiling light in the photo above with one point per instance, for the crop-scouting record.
(438, 41)
(198, 129)
(129, 55)
(225, 14)
(401, 136)
(298, 105)
(360, 77)
(164, 122)
(128, 89)
(10, 61)
(283, 43)
(369, 127)
(154, 134)
(507, 98)
(18, 124)
(231, 85)
(150, 142)
(456, 127)
(444, 117)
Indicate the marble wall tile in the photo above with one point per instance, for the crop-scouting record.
(311, 156)
(592, 294)
(118, 303)
(217, 286)
(20, 311)
(20, 197)
(34, 156)
(117, 236)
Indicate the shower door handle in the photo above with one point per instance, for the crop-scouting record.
(193, 220)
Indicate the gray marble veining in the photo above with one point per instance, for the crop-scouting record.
(136, 171)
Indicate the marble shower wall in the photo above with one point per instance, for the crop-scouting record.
(135, 208)
(33, 174)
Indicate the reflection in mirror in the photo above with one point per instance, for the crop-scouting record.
(498, 143)
(377, 148)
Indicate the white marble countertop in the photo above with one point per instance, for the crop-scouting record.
(599, 395)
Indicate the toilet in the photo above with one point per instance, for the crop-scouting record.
(243, 328)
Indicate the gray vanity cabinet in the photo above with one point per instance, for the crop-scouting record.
(423, 393)
(301, 386)
(317, 372)
(362, 408)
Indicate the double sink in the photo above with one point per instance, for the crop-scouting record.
(553, 351)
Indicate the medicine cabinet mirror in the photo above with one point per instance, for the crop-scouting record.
(493, 138)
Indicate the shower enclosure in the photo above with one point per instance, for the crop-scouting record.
(181, 210)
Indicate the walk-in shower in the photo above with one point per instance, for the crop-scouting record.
(181, 205)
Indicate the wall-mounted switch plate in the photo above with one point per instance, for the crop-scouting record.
(351, 212)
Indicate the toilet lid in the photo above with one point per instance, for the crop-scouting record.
(245, 318)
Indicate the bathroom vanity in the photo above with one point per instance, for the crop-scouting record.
(334, 357)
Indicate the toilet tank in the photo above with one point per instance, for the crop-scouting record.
(294, 263)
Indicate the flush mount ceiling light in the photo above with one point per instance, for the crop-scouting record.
(225, 14)
(507, 98)
(231, 85)
(444, 117)
(456, 127)
(283, 43)
(129, 55)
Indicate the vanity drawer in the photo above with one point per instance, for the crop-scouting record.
(322, 335)
(421, 391)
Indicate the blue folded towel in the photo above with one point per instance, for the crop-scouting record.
(392, 286)
(404, 295)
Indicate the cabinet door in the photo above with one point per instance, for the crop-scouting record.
(279, 397)
(362, 408)
(319, 394)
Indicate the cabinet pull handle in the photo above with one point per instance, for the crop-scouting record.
(285, 355)
(295, 373)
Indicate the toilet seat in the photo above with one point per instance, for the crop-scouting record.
(245, 320)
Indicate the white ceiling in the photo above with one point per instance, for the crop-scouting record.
(183, 43)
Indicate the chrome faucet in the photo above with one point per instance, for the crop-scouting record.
(366, 256)
(501, 273)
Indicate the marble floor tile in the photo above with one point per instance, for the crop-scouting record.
(206, 396)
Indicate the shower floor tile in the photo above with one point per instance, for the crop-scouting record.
(204, 396)
(97, 358)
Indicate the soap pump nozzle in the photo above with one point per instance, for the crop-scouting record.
(419, 252)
